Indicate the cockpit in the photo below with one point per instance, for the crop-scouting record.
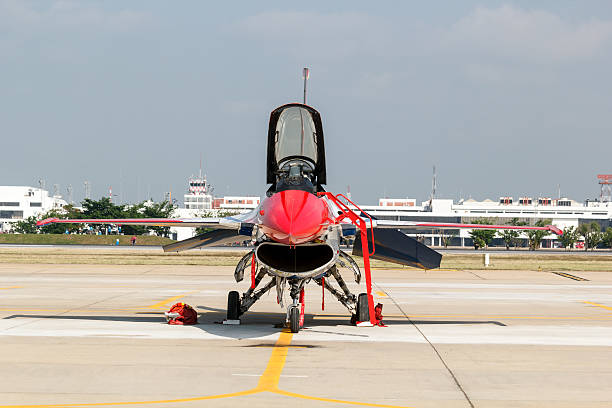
(296, 154)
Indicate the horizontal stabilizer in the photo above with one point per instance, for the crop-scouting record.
(394, 246)
(214, 237)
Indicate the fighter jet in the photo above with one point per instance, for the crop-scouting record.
(297, 229)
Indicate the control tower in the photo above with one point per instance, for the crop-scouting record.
(199, 195)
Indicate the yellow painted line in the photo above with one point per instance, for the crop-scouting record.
(269, 379)
(337, 401)
(98, 404)
(164, 303)
(381, 293)
(66, 310)
(570, 276)
(598, 305)
(268, 382)
(11, 287)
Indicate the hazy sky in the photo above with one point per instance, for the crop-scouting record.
(505, 98)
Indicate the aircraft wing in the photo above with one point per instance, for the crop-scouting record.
(232, 222)
(445, 225)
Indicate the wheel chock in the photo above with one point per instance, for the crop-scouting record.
(234, 322)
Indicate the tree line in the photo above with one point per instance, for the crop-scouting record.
(102, 208)
(591, 233)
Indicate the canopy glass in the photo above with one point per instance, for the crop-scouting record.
(295, 135)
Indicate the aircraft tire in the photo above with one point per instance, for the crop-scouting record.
(294, 319)
(233, 305)
(363, 311)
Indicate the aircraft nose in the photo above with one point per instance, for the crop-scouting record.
(293, 217)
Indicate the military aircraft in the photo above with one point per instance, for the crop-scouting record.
(297, 229)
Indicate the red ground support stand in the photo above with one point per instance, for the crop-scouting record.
(253, 270)
(361, 224)
(302, 308)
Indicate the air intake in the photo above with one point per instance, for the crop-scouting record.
(295, 259)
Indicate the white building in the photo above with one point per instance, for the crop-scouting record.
(562, 212)
(20, 202)
(236, 203)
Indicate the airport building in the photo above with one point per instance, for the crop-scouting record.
(20, 202)
(562, 212)
(199, 201)
(199, 198)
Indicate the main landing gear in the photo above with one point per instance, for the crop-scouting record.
(237, 305)
(233, 305)
(363, 312)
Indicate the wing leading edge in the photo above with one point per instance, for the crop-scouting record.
(225, 223)
(444, 225)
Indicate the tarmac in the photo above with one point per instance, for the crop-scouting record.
(95, 336)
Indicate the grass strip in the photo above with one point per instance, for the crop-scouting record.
(111, 256)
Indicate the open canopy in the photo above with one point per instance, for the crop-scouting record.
(295, 133)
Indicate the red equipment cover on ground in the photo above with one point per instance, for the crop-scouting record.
(187, 315)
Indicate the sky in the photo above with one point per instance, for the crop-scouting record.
(504, 98)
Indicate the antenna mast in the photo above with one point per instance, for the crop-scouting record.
(305, 75)
(434, 184)
(69, 191)
(87, 189)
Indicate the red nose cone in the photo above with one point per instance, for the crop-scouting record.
(293, 217)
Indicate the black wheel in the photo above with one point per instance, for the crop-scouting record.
(363, 311)
(233, 305)
(294, 319)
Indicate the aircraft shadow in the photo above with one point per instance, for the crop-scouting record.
(396, 322)
(140, 319)
(254, 324)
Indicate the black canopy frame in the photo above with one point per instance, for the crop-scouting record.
(272, 165)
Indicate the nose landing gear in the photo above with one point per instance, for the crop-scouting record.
(295, 311)
(294, 319)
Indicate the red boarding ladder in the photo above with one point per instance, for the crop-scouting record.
(361, 224)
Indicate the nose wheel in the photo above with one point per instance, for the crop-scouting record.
(295, 311)
(294, 319)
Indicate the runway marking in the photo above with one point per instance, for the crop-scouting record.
(269, 379)
(259, 375)
(598, 305)
(570, 276)
(11, 287)
(381, 293)
(164, 303)
(485, 317)
(268, 382)
(68, 310)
